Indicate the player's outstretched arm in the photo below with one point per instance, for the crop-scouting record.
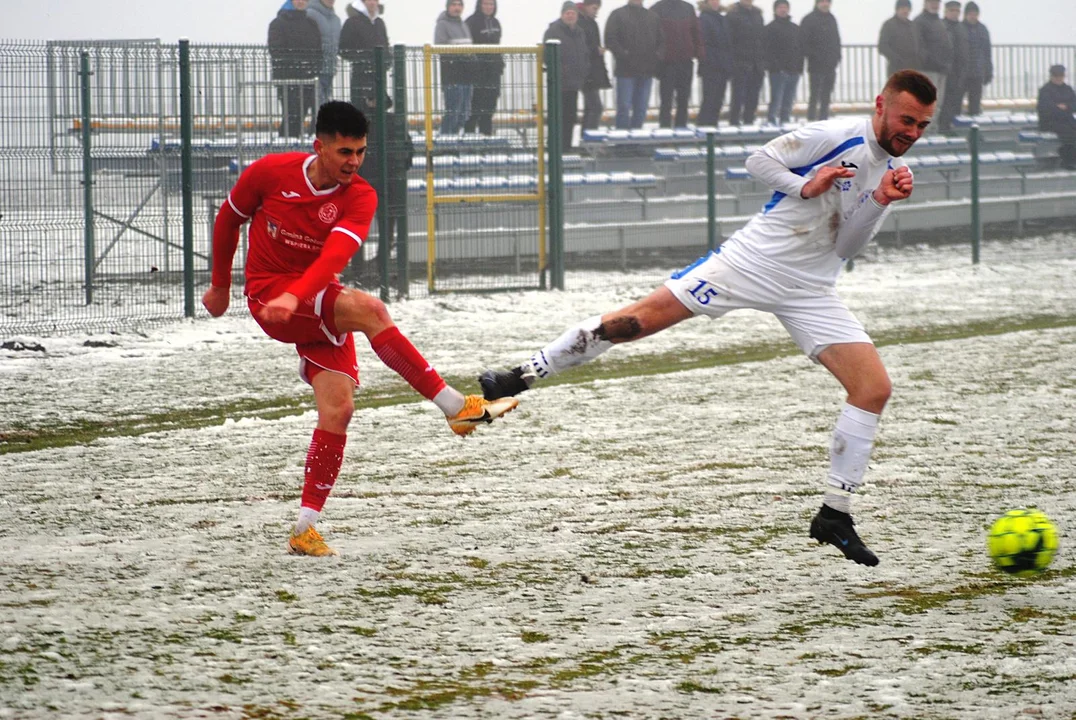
(225, 241)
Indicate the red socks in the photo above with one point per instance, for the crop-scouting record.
(398, 353)
(323, 461)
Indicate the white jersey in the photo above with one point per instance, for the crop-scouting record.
(795, 238)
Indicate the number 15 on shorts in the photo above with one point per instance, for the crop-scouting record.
(704, 292)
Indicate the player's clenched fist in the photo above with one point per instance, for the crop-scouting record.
(216, 300)
(896, 185)
(823, 181)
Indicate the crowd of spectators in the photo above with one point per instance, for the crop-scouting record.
(731, 48)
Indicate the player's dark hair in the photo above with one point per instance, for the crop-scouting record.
(915, 83)
(341, 118)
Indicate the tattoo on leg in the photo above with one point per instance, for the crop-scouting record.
(624, 328)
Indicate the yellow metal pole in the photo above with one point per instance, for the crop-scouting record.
(431, 213)
(540, 107)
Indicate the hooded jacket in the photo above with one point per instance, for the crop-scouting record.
(935, 46)
(358, 38)
(748, 31)
(716, 60)
(821, 41)
(784, 48)
(329, 25)
(294, 46)
(598, 77)
(486, 30)
(455, 69)
(574, 55)
(634, 35)
(680, 26)
(898, 42)
(980, 52)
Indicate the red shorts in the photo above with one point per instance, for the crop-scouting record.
(312, 330)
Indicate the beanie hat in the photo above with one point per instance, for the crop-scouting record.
(1057, 70)
(568, 5)
(952, 4)
(592, 2)
(904, 4)
(971, 7)
(778, 3)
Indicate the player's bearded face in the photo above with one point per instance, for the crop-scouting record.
(341, 157)
(903, 121)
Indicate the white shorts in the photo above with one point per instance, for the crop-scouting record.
(814, 317)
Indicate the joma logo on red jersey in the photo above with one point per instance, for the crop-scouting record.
(328, 213)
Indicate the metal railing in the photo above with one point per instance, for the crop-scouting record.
(101, 225)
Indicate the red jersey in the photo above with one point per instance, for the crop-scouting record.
(291, 219)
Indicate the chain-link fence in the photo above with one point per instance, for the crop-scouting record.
(479, 187)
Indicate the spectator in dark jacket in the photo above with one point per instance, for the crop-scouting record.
(633, 34)
(456, 76)
(980, 59)
(935, 46)
(680, 26)
(822, 45)
(954, 95)
(328, 22)
(574, 66)
(899, 40)
(598, 76)
(748, 31)
(784, 60)
(295, 52)
(400, 151)
(363, 31)
(485, 30)
(1057, 102)
(715, 66)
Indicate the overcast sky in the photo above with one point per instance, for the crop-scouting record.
(411, 21)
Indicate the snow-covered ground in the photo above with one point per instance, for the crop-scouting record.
(628, 547)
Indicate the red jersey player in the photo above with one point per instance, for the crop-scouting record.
(308, 215)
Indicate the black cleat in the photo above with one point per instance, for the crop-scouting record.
(497, 384)
(836, 528)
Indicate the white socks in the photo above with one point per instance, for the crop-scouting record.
(307, 517)
(450, 401)
(850, 452)
(575, 347)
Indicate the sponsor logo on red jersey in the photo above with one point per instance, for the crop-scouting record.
(272, 227)
(328, 213)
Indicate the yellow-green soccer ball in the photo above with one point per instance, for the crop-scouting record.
(1022, 542)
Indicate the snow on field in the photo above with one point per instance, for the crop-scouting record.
(631, 547)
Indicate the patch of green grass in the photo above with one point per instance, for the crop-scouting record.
(286, 597)
(688, 686)
(839, 671)
(24, 438)
(224, 634)
(531, 636)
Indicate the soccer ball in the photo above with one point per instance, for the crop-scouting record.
(1022, 542)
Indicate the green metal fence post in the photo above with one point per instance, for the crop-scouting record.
(711, 193)
(556, 165)
(186, 127)
(399, 84)
(381, 142)
(976, 217)
(87, 175)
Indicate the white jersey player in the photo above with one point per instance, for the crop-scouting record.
(833, 183)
